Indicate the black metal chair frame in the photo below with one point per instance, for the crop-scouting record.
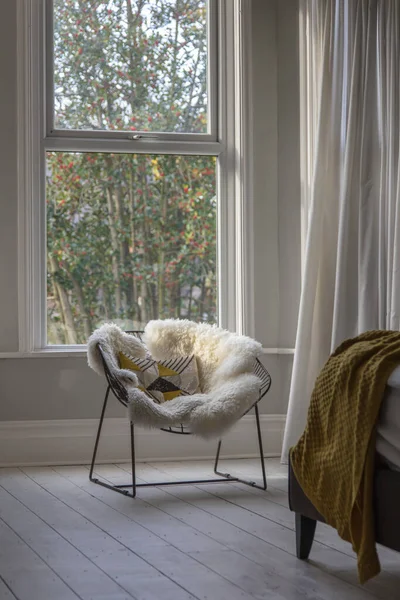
(121, 395)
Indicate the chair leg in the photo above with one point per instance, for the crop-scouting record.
(260, 447)
(96, 445)
(305, 530)
(133, 459)
(110, 486)
(124, 488)
(229, 477)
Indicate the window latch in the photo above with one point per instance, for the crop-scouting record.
(138, 136)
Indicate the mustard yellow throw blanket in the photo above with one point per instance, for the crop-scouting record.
(334, 459)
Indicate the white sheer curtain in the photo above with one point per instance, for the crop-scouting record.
(350, 61)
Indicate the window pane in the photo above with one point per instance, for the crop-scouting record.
(130, 237)
(131, 65)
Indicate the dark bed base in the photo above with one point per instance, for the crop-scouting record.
(386, 506)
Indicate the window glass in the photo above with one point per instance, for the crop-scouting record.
(130, 237)
(134, 65)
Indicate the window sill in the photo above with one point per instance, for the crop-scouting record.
(80, 352)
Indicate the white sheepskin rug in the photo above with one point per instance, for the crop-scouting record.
(225, 363)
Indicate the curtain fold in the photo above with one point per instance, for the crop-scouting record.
(350, 184)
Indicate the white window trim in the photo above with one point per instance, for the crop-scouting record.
(235, 231)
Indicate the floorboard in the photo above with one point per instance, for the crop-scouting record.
(5, 592)
(173, 561)
(25, 573)
(129, 574)
(78, 572)
(64, 537)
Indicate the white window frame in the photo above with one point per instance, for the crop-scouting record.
(231, 141)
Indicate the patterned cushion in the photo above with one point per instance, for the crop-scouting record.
(164, 380)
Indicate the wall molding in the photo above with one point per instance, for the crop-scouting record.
(68, 352)
(70, 441)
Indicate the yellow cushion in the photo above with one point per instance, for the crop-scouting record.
(164, 380)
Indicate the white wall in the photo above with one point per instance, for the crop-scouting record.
(65, 388)
(277, 186)
(289, 265)
(8, 179)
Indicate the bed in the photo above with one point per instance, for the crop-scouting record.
(386, 484)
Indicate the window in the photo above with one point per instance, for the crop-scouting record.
(131, 208)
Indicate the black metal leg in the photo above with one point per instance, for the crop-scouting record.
(133, 459)
(260, 447)
(229, 477)
(217, 456)
(115, 488)
(103, 410)
(305, 530)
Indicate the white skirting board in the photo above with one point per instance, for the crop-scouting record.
(71, 441)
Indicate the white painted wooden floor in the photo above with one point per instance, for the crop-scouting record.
(63, 538)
